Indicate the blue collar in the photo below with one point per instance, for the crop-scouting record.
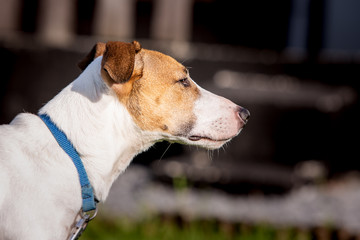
(87, 193)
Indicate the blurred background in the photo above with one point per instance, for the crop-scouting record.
(293, 173)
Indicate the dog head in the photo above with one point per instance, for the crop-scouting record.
(161, 97)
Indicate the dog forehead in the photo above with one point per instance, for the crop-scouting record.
(159, 63)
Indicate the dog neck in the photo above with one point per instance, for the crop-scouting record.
(99, 126)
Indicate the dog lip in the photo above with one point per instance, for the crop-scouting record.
(195, 138)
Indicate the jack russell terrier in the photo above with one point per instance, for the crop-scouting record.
(126, 99)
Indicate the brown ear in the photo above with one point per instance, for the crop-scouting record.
(119, 60)
(96, 51)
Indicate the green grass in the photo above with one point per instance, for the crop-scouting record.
(171, 229)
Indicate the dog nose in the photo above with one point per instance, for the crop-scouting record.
(244, 114)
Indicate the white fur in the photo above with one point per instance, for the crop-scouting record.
(218, 114)
(40, 191)
(39, 187)
(217, 120)
(99, 126)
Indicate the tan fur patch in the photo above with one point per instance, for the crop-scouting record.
(155, 97)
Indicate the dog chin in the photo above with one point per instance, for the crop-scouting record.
(209, 143)
(202, 142)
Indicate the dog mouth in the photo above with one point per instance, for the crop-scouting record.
(206, 141)
(195, 138)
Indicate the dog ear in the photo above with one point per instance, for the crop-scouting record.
(119, 60)
(96, 51)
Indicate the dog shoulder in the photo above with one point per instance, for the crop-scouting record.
(25, 131)
(21, 124)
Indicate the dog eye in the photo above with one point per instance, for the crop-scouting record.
(185, 82)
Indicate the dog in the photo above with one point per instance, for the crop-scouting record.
(126, 99)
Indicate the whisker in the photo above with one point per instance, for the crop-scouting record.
(210, 154)
(165, 151)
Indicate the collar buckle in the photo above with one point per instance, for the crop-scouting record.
(81, 225)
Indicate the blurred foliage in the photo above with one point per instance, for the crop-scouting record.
(173, 229)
